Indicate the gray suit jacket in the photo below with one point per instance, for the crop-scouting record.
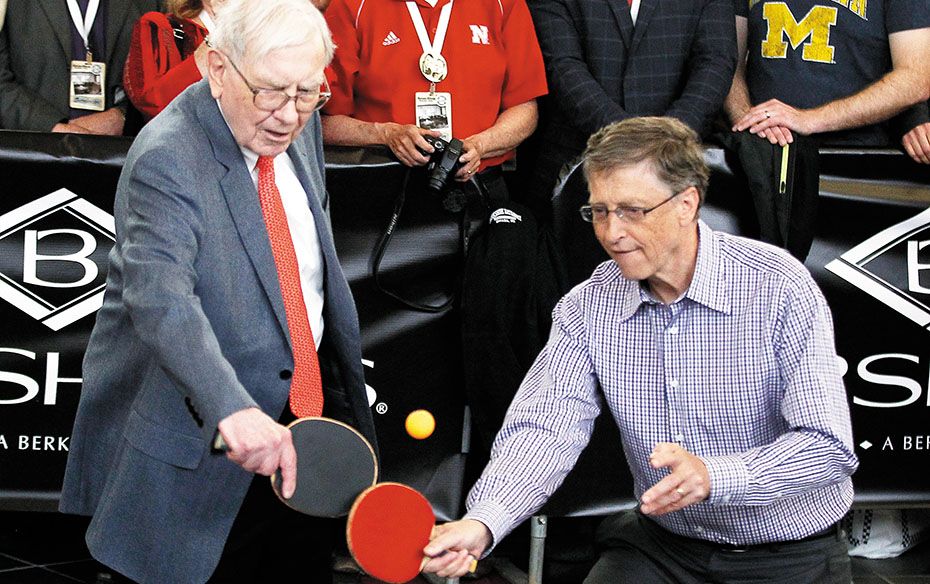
(35, 59)
(192, 329)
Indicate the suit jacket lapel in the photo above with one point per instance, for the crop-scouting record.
(242, 200)
(117, 18)
(57, 13)
(646, 10)
(621, 11)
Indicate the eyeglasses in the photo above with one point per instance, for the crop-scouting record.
(598, 213)
(270, 100)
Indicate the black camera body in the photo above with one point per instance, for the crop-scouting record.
(443, 162)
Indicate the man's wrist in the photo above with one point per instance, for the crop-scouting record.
(736, 112)
(815, 120)
(382, 132)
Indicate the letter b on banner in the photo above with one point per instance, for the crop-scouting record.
(31, 257)
(914, 267)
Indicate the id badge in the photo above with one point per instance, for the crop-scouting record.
(434, 112)
(88, 82)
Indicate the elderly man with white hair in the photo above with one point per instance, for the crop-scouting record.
(227, 313)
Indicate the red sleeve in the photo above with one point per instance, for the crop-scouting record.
(155, 73)
(526, 73)
(341, 16)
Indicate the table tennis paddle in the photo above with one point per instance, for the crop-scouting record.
(334, 464)
(388, 527)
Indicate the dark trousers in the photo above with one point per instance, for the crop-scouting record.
(634, 549)
(270, 542)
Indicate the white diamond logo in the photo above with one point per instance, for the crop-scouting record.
(865, 445)
(888, 267)
(53, 265)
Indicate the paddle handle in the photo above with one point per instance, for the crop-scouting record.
(219, 444)
(471, 567)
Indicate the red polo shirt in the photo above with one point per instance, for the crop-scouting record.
(494, 61)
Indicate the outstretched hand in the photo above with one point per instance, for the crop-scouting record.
(687, 483)
(454, 547)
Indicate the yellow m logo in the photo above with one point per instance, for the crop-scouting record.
(816, 26)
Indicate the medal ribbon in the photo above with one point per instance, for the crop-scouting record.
(444, 15)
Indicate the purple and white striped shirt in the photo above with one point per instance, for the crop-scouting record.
(741, 371)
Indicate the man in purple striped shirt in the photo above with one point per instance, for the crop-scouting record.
(715, 356)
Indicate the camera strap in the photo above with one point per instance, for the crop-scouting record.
(384, 240)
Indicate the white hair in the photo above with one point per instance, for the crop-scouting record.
(254, 28)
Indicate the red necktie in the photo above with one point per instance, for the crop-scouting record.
(306, 396)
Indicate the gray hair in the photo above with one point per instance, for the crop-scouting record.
(255, 28)
(673, 149)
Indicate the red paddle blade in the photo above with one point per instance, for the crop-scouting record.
(388, 527)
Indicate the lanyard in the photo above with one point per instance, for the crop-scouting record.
(83, 27)
(436, 46)
(207, 20)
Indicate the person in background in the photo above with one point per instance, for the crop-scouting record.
(471, 70)
(817, 73)
(61, 64)
(916, 140)
(715, 356)
(167, 54)
(607, 61)
(468, 69)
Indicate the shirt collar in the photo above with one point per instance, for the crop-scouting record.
(251, 159)
(708, 285)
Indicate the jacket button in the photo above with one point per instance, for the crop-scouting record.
(285, 374)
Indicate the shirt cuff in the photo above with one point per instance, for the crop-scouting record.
(729, 480)
(494, 517)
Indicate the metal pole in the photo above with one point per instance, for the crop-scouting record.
(537, 548)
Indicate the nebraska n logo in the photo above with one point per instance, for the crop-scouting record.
(479, 34)
(893, 267)
(55, 254)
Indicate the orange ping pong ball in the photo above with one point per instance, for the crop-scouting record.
(420, 424)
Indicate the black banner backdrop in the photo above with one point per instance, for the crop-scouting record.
(56, 192)
(56, 196)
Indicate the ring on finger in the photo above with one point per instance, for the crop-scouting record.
(681, 491)
(767, 115)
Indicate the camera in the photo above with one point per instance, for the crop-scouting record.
(443, 162)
